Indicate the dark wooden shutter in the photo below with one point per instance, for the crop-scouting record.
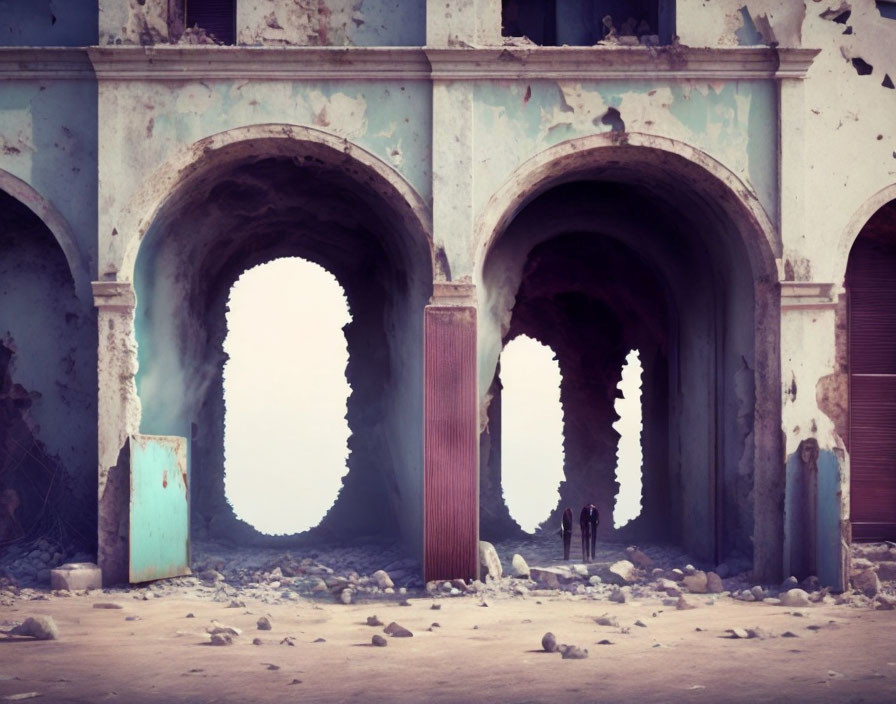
(871, 283)
(217, 17)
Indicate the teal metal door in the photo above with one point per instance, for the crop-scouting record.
(159, 508)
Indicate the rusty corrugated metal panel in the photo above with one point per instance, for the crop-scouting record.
(159, 508)
(451, 444)
(871, 282)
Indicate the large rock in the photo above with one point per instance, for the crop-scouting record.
(620, 573)
(520, 567)
(489, 562)
(714, 583)
(638, 558)
(886, 571)
(74, 576)
(40, 627)
(696, 582)
(546, 577)
(794, 597)
(867, 582)
(549, 642)
(382, 579)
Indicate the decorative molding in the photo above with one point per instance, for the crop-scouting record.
(114, 295)
(453, 293)
(52, 63)
(807, 295)
(619, 63)
(174, 62)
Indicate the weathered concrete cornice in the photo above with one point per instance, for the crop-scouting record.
(165, 62)
(453, 293)
(54, 63)
(617, 62)
(269, 63)
(114, 295)
(807, 295)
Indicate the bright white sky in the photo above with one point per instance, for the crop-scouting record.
(285, 439)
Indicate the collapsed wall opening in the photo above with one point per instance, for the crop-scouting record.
(639, 251)
(585, 22)
(257, 201)
(871, 291)
(284, 381)
(47, 389)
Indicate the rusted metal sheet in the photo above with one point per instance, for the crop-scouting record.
(871, 282)
(159, 508)
(451, 444)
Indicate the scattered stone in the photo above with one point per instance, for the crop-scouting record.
(758, 593)
(235, 604)
(811, 584)
(345, 596)
(790, 583)
(132, 618)
(39, 627)
(379, 641)
(884, 603)
(546, 577)
(296, 681)
(74, 576)
(738, 632)
(22, 695)
(573, 652)
(218, 627)
(435, 624)
(714, 583)
(549, 642)
(211, 576)
(676, 574)
(696, 582)
(435, 607)
(684, 603)
(373, 621)
(382, 579)
(319, 586)
(263, 623)
(760, 633)
(789, 634)
(605, 642)
(607, 620)
(620, 573)
(319, 640)
(271, 666)
(640, 623)
(489, 562)
(638, 558)
(396, 631)
(288, 640)
(581, 570)
(794, 597)
(689, 569)
(107, 605)
(190, 615)
(723, 570)
(621, 595)
(595, 580)
(256, 641)
(867, 582)
(221, 639)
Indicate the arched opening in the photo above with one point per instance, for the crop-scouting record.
(630, 248)
(871, 289)
(279, 386)
(531, 431)
(255, 201)
(47, 388)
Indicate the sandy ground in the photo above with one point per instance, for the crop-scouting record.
(493, 653)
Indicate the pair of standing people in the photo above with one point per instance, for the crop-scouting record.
(589, 519)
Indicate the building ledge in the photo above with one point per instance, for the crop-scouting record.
(597, 63)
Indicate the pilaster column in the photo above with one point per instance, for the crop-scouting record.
(118, 411)
(451, 435)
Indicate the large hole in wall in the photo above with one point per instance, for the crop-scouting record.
(629, 453)
(531, 431)
(47, 389)
(586, 22)
(633, 258)
(260, 202)
(285, 392)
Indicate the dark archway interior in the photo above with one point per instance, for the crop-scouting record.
(596, 267)
(328, 210)
(47, 389)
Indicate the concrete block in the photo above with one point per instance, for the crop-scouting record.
(75, 576)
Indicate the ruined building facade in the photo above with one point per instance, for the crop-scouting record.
(712, 182)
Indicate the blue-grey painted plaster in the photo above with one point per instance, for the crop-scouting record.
(48, 22)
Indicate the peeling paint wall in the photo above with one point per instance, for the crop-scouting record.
(272, 23)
